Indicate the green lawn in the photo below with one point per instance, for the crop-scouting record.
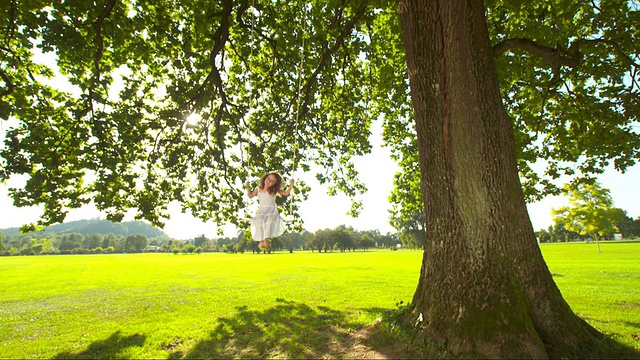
(245, 305)
(603, 288)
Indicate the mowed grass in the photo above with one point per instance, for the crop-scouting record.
(602, 288)
(208, 305)
(248, 305)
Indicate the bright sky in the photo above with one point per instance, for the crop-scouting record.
(321, 211)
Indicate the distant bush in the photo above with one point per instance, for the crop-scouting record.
(27, 251)
(175, 251)
(198, 250)
(109, 250)
(80, 250)
(189, 248)
(228, 248)
(37, 248)
(97, 250)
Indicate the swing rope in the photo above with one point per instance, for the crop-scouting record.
(298, 91)
(298, 99)
(251, 86)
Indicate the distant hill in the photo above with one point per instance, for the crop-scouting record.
(97, 226)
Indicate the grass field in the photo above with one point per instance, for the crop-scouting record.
(247, 305)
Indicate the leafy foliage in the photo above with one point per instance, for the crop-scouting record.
(283, 85)
(118, 136)
(590, 211)
(569, 75)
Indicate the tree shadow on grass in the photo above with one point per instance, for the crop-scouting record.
(108, 348)
(287, 330)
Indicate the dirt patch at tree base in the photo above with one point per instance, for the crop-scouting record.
(374, 342)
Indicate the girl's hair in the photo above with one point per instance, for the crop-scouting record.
(275, 187)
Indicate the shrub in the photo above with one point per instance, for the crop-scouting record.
(27, 251)
(80, 250)
(37, 248)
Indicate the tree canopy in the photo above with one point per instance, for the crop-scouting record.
(570, 79)
(590, 211)
(118, 134)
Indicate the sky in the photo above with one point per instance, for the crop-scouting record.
(321, 211)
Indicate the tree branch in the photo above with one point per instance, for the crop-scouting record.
(7, 50)
(220, 37)
(11, 25)
(326, 56)
(553, 56)
(572, 57)
(7, 81)
(616, 47)
(97, 26)
(339, 41)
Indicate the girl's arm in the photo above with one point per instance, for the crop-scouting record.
(250, 193)
(288, 191)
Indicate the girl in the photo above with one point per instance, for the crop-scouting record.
(267, 223)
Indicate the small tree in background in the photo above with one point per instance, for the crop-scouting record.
(189, 249)
(200, 241)
(590, 211)
(135, 243)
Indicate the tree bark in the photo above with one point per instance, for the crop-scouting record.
(484, 288)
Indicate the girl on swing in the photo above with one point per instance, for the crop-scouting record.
(267, 223)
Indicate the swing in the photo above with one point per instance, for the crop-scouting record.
(289, 217)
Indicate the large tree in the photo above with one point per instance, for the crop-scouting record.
(284, 85)
(500, 299)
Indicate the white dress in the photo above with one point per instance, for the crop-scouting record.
(267, 223)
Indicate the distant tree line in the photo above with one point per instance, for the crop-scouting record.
(73, 243)
(590, 215)
(97, 226)
(626, 226)
(339, 239)
(342, 238)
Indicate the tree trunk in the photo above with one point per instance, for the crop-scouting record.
(484, 287)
